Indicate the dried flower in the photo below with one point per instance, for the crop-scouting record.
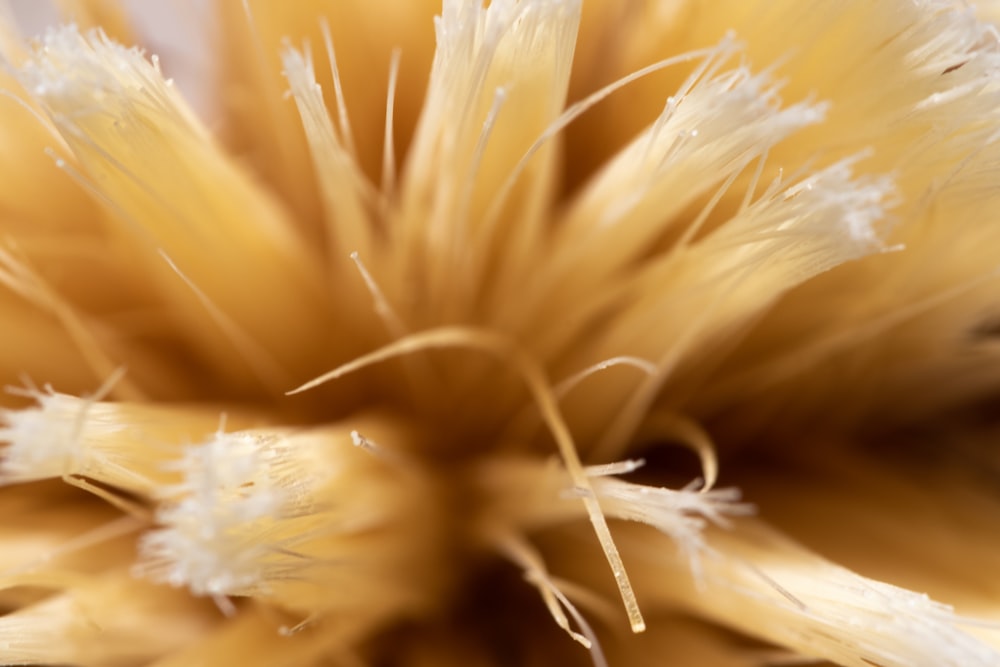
(403, 374)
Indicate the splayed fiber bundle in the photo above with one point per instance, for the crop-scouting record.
(523, 332)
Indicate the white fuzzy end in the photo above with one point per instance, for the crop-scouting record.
(89, 73)
(681, 514)
(44, 441)
(235, 488)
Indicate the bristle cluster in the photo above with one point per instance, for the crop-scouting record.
(387, 345)
(307, 520)
(757, 578)
(128, 446)
(210, 249)
(109, 619)
(233, 491)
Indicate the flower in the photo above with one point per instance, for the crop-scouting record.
(404, 374)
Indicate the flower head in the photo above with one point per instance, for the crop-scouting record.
(401, 373)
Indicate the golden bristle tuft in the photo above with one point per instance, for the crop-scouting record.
(493, 333)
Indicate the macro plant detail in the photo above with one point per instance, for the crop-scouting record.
(508, 333)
